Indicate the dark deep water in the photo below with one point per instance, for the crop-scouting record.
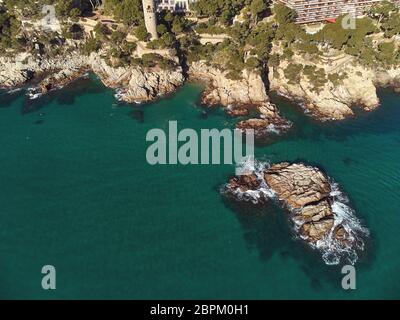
(77, 193)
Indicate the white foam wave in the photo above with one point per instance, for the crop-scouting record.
(271, 128)
(119, 94)
(33, 93)
(334, 251)
(263, 193)
(14, 90)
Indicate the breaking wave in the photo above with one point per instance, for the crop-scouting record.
(271, 128)
(263, 193)
(333, 251)
(33, 93)
(119, 94)
(12, 91)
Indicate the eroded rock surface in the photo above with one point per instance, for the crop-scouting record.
(250, 90)
(334, 101)
(297, 185)
(135, 83)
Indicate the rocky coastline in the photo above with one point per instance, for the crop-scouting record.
(137, 83)
(220, 90)
(244, 97)
(318, 210)
(335, 101)
(266, 121)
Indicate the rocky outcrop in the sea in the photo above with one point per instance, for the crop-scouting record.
(268, 121)
(318, 209)
(135, 84)
(62, 78)
(335, 101)
(17, 70)
(245, 97)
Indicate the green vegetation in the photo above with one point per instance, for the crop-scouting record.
(91, 45)
(211, 29)
(222, 10)
(337, 78)
(258, 9)
(130, 12)
(141, 33)
(167, 40)
(316, 76)
(266, 35)
(293, 73)
(102, 31)
(283, 14)
(9, 29)
(152, 60)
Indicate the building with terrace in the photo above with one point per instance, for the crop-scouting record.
(310, 11)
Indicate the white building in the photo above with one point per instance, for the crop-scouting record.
(174, 5)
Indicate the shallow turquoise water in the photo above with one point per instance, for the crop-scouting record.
(77, 193)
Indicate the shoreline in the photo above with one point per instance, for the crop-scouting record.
(214, 86)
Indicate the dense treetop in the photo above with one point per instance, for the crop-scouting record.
(254, 27)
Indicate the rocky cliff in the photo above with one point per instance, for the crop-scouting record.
(135, 83)
(223, 91)
(335, 101)
(17, 70)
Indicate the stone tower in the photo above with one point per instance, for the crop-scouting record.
(150, 17)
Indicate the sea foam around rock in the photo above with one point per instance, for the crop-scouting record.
(334, 250)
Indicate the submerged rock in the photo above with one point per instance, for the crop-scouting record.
(240, 111)
(61, 79)
(317, 208)
(269, 122)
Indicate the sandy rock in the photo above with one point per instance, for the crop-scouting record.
(297, 185)
(315, 212)
(138, 85)
(238, 111)
(223, 91)
(245, 182)
(264, 127)
(314, 231)
(61, 79)
(335, 102)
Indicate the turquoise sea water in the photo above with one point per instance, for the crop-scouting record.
(77, 193)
